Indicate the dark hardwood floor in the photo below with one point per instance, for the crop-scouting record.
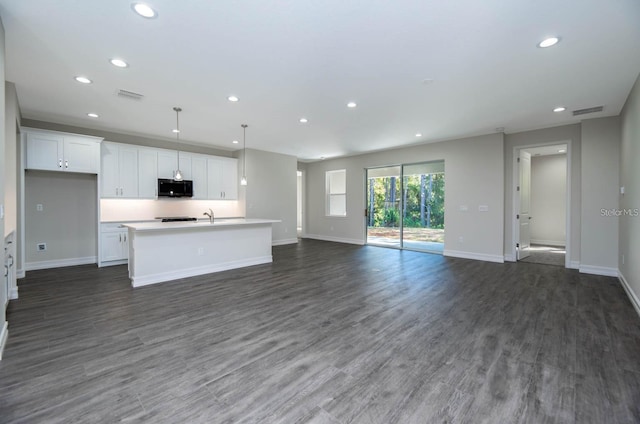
(328, 333)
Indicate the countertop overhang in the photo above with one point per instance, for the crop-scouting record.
(196, 225)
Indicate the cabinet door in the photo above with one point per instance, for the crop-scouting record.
(112, 247)
(230, 179)
(215, 185)
(199, 176)
(147, 173)
(81, 155)
(125, 245)
(167, 163)
(44, 151)
(109, 184)
(128, 171)
(185, 165)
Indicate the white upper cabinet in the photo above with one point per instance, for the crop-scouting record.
(167, 163)
(54, 151)
(147, 173)
(119, 177)
(199, 176)
(222, 178)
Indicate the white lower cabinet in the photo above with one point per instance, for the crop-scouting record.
(114, 244)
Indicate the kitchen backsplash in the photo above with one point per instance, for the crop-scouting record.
(147, 209)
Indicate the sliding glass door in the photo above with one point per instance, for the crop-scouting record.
(383, 206)
(405, 206)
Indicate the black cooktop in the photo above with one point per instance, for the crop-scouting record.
(176, 218)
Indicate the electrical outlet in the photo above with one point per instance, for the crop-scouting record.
(39, 207)
(200, 251)
(42, 247)
(461, 239)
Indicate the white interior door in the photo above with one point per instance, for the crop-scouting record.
(524, 217)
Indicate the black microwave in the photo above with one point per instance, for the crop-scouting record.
(173, 188)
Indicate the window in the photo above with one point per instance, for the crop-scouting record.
(336, 192)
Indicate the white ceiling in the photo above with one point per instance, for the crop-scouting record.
(288, 59)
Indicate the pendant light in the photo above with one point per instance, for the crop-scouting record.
(243, 181)
(177, 174)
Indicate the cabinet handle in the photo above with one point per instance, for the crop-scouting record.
(120, 237)
(116, 191)
(59, 163)
(125, 238)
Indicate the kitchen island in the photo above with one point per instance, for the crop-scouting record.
(172, 250)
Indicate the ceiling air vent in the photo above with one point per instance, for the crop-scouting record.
(588, 110)
(129, 95)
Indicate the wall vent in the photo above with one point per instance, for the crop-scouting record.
(588, 110)
(129, 95)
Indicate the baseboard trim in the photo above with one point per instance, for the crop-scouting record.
(4, 335)
(632, 296)
(284, 241)
(334, 239)
(112, 263)
(59, 263)
(192, 272)
(475, 256)
(13, 293)
(574, 265)
(598, 270)
(554, 243)
(509, 258)
(20, 273)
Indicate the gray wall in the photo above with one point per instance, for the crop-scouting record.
(600, 190)
(629, 226)
(67, 223)
(473, 176)
(548, 199)
(3, 319)
(12, 119)
(564, 134)
(127, 138)
(271, 191)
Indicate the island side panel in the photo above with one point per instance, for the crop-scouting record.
(170, 254)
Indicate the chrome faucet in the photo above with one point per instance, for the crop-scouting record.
(210, 215)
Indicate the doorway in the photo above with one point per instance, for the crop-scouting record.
(405, 206)
(299, 205)
(542, 204)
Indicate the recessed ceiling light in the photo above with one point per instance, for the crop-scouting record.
(427, 81)
(175, 130)
(92, 115)
(560, 109)
(235, 141)
(352, 104)
(303, 120)
(562, 151)
(321, 157)
(233, 99)
(144, 10)
(83, 80)
(119, 63)
(418, 134)
(548, 42)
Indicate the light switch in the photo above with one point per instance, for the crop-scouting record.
(464, 208)
(483, 208)
(622, 190)
(39, 207)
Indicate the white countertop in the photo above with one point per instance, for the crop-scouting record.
(154, 226)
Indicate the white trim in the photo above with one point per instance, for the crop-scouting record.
(59, 263)
(192, 272)
(598, 270)
(554, 243)
(13, 294)
(632, 296)
(335, 239)
(4, 335)
(111, 263)
(475, 256)
(509, 258)
(20, 273)
(284, 241)
(574, 265)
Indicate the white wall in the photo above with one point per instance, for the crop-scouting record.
(3, 316)
(473, 177)
(600, 190)
(548, 199)
(271, 191)
(569, 134)
(12, 117)
(68, 221)
(629, 226)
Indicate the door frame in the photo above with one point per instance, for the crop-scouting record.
(366, 203)
(515, 178)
